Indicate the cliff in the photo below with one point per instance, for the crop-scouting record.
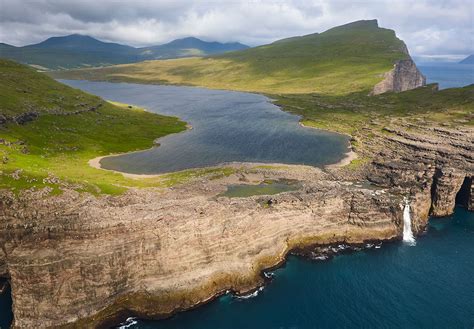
(404, 76)
(78, 260)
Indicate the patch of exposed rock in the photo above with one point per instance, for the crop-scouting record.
(78, 260)
(435, 161)
(404, 76)
(82, 258)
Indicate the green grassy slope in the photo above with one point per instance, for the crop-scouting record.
(364, 117)
(342, 60)
(352, 113)
(54, 148)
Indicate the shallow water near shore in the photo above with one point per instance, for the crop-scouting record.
(265, 188)
(429, 285)
(227, 126)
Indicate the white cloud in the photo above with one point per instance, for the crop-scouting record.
(428, 27)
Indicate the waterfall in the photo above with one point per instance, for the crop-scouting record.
(407, 232)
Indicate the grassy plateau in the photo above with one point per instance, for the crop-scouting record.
(351, 113)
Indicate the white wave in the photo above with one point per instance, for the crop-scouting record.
(128, 323)
(268, 275)
(251, 295)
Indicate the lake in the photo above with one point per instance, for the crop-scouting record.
(227, 126)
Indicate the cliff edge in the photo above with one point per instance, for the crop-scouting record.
(404, 76)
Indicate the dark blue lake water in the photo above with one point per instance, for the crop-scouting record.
(448, 75)
(227, 126)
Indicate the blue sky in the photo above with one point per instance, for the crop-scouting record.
(433, 29)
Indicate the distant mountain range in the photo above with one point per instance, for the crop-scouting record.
(348, 58)
(468, 60)
(75, 51)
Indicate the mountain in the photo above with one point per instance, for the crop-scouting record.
(189, 47)
(348, 58)
(74, 51)
(77, 42)
(70, 51)
(468, 60)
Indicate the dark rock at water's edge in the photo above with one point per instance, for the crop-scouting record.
(328, 251)
(80, 241)
(6, 315)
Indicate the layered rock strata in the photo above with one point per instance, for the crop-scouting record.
(78, 260)
(404, 76)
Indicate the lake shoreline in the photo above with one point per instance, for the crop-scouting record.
(347, 158)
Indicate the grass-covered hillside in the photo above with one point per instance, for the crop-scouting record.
(356, 112)
(49, 132)
(345, 59)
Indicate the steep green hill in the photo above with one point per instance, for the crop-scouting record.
(76, 50)
(49, 132)
(345, 59)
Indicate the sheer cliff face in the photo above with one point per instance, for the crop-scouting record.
(77, 260)
(435, 164)
(404, 76)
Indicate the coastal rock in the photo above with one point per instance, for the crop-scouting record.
(446, 184)
(404, 76)
(465, 196)
(78, 260)
(470, 204)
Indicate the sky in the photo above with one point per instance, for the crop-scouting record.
(432, 29)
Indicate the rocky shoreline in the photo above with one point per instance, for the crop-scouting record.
(79, 260)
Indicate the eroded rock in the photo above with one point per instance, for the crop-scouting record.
(404, 76)
(82, 260)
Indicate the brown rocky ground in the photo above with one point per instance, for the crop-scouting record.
(78, 260)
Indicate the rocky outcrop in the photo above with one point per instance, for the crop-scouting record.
(81, 259)
(29, 116)
(404, 76)
(446, 184)
(465, 196)
(25, 117)
(430, 161)
(78, 260)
